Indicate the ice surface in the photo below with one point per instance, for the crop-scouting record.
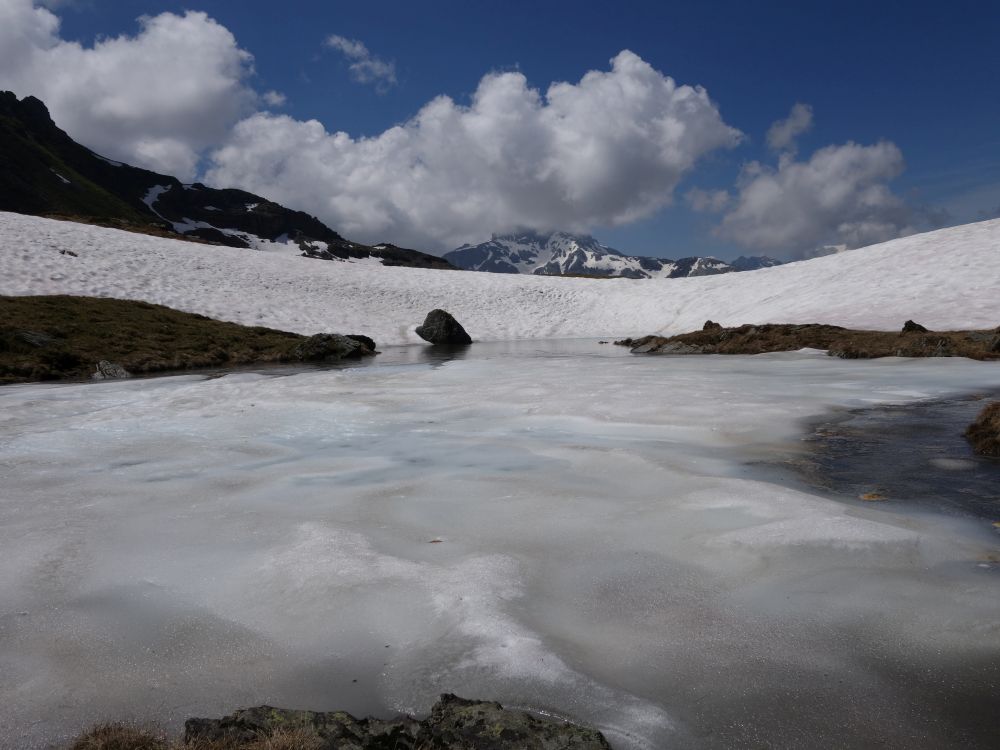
(944, 279)
(572, 530)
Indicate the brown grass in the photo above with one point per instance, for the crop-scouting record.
(984, 432)
(125, 737)
(838, 342)
(119, 737)
(77, 332)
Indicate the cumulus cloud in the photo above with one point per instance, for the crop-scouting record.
(782, 134)
(707, 201)
(606, 150)
(157, 99)
(364, 66)
(840, 196)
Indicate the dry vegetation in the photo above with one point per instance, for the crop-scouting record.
(984, 433)
(126, 737)
(838, 342)
(47, 338)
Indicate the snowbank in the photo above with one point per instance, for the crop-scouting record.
(944, 279)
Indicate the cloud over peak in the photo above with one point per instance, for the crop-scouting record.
(606, 150)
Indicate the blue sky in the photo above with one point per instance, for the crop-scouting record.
(921, 76)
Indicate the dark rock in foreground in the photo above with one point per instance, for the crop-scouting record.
(984, 432)
(454, 724)
(838, 342)
(911, 327)
(440, 327)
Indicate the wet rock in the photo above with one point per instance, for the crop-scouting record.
(110, 371)
(440, 327)
(984, 432)
(911, 327)
(454, 724)
(325, 347)
(366, 340)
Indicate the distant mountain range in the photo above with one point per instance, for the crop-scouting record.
(563, 254)
(44, 172)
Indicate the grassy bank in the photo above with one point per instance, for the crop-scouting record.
(838, 342)
(59, 337)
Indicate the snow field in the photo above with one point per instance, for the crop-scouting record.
(944, 279)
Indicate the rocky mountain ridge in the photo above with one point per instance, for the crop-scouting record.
(44, 172)
(562, 254)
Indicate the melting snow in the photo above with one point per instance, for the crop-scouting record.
(182, 546)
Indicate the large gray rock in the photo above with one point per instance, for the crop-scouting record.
(324, 347)
(440, 327)
(454, 724)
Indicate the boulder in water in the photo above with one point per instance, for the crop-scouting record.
(440, 327)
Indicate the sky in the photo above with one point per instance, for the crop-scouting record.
(662, 128)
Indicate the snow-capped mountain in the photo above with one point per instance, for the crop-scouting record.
(564, 254)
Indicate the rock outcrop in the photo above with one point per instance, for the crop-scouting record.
(454, 724)
(441, 328)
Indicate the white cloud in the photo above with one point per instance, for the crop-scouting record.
(607, 150)
(157, 99)
(782, 134)
(364, 66)
(274, 98)
(840, 196)
(707, 201)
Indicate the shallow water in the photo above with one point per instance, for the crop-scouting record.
(907, 456)
(558, 526)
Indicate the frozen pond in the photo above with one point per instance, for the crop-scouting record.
(558, 526)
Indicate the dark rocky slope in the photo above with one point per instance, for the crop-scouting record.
(44, 172)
